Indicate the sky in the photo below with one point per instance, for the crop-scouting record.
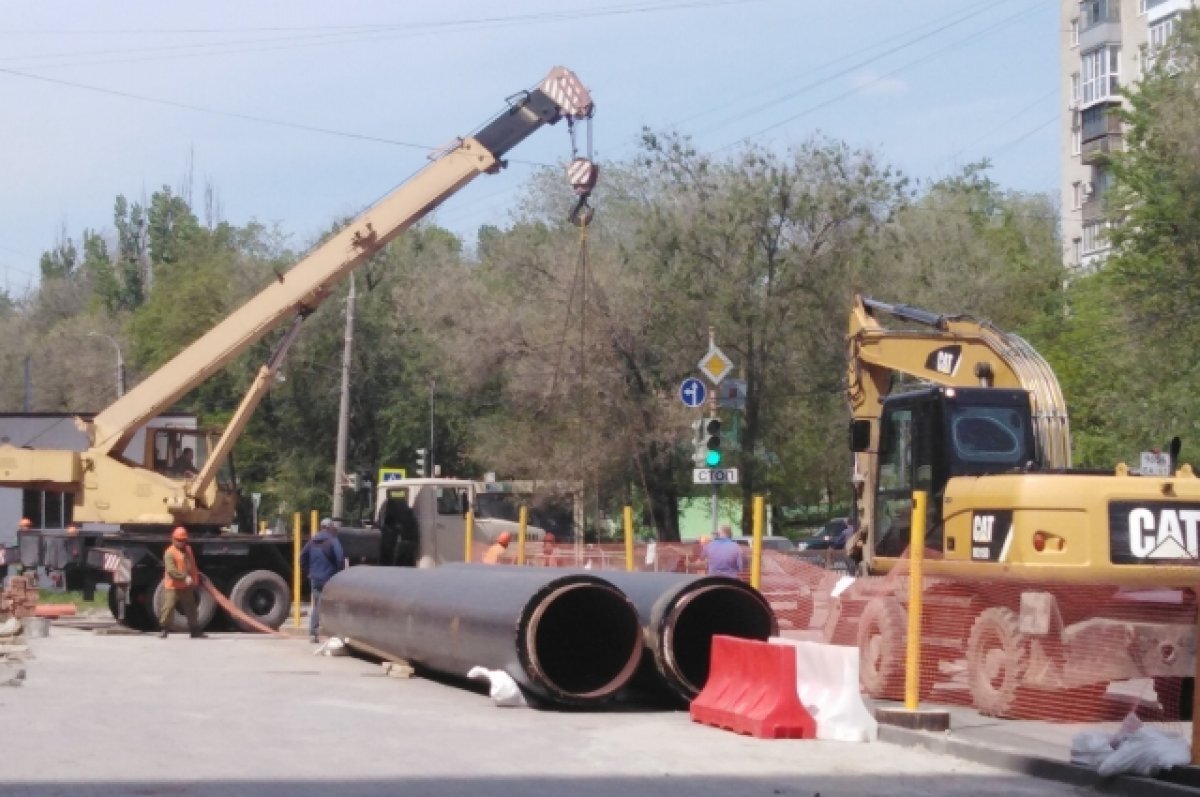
(302, 112)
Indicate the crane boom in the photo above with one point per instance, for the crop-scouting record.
(109, 488)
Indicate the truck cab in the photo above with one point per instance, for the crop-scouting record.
(422, 522)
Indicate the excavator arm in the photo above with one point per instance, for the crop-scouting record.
(953, 351)
(109, 488)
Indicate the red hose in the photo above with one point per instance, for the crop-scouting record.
(237, 614)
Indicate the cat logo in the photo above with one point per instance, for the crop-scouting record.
(1165, 534)
(944, 360)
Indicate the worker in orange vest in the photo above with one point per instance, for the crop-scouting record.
(498, 548)
(181, 577)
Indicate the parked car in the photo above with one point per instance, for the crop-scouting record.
(833, 534)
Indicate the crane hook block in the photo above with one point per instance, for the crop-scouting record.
(582, 174)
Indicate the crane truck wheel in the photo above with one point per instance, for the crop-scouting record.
(263, 595)
(997, 655)
(137, 615)
(882, 630)
(206, 608)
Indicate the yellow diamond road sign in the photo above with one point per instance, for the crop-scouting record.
(715, 365)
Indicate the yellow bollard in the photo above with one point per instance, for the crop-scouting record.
(523, 520)
(296, 570)
(629, 539)
(314, 523)
(469, 535)
(916, 555)
(756, 543)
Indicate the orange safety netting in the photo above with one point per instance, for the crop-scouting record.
(1069, 653)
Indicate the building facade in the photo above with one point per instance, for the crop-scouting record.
(1106, 45)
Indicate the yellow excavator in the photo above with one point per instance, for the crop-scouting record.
(181, 476)
(1043, 577)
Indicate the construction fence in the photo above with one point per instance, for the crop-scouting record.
(1084, 653)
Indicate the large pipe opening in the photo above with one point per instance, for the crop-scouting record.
(584, 640)
(703, 614)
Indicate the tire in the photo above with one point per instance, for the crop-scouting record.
(263, 595)
(882, 633)
(997, 655)
(206, 609)
(136, 615)
(1175, 697)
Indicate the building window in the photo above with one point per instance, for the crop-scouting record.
(1075, 89)
(1097, 12)
(1094, 121)
(1075, 32)
(1158, 35)
(1076, 250)
(1094, 238)
(1076, 195)
(47, 510)
(1101, 73)
(1076, 142)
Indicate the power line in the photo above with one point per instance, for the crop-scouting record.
(846, 94)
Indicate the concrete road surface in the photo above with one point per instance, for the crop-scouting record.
(242, 715)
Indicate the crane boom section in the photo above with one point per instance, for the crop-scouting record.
(299, 290)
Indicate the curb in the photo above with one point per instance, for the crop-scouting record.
(1026, 764)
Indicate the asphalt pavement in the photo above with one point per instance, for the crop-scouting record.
(244, 715)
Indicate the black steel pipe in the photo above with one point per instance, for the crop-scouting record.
(680, 615)
(570, 638)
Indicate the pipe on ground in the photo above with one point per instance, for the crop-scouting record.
(680, 615)
(570, 638)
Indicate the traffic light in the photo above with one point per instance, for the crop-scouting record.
(421, 452)
(712, 430)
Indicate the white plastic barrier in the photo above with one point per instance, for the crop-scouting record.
(827, 683)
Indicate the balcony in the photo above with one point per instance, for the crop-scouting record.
(1093, 152)
(1100, 23)
(1093, 209)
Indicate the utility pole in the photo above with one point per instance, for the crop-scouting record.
(432, 386)
(343, 431)
(28, 384)
(712, 413)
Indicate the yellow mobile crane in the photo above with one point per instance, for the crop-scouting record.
(179, 480)
(1032, 564)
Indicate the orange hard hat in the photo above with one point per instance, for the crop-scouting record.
(180, 533)
(25, 523)
(504, 538)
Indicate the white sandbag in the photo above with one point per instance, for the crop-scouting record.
(503, 689)
(827, 684)
(1090, 748)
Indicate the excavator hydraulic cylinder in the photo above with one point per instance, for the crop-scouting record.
(569, 638)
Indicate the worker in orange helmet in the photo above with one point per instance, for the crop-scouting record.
(498, 548)
(181, 577)
(548, 542)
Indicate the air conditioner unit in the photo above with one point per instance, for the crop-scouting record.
(1087, 190)
(1073, 105)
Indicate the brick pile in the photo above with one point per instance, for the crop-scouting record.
(19, 600)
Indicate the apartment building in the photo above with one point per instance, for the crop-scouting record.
(1106, 44)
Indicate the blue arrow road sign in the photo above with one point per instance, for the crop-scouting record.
(692, 392)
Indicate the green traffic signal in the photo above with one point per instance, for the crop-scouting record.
(713, 427)
(712, 459)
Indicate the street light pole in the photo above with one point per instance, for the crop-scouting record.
(120, 361)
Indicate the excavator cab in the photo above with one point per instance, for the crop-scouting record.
(927, 437)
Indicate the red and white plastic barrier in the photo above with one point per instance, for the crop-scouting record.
(827, 685)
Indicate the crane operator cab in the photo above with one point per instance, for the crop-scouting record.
(931, 435)
(182, 453)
